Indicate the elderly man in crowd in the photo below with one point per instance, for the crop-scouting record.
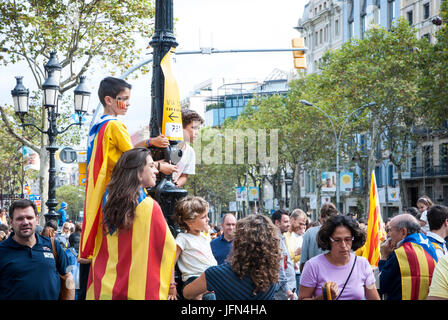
(407, 262)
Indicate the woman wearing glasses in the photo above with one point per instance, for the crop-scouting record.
(338, 274)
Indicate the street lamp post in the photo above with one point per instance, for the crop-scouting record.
(52, 100)
(166, 193)
(337, 137)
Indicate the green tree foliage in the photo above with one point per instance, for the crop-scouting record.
(215, 181)
(74, 197)
(434, 84)
(385, 68)
(83, 33)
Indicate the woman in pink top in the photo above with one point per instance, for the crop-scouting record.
(338, 274)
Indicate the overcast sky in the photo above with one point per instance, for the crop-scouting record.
(222, 24)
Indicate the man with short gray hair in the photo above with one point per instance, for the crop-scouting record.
(407, 261)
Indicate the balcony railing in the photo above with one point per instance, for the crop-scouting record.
(433, 171)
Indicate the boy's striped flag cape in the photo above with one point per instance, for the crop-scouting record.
(95, 186)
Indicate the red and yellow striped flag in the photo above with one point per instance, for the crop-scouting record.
(416, 267)
(108, 140)
(134, 264)
(375, 232)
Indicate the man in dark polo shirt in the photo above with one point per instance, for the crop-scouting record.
(222, 245)
(28, 270)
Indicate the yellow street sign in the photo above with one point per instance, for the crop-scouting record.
(172, 114)
(82, 171)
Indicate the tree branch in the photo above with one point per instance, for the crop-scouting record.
(15, 134)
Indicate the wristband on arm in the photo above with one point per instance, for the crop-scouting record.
(148, 143)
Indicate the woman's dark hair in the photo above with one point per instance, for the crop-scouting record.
(124, 189)
(328, 228)
(412, 210)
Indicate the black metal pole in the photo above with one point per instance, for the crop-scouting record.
(161, 42)
(165, 192)
(52, 133)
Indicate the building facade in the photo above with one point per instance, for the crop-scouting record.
(326, 25)
(230, 98)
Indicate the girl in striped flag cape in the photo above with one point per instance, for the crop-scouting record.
(136, 253)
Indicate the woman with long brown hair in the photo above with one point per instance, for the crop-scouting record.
(135, 255)
(251, 272)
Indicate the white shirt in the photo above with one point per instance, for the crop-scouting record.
(187, 163)
(298, 244)
(196, 255)
(440, 252)
(424, 218)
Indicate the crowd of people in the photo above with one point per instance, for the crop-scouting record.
(124, 248)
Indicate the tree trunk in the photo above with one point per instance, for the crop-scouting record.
(403, 195)
(371, 162)
(261, 194)
(317, 178)
(296, 196)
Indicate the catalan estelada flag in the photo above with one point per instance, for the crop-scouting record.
(417, 259)
(108, 140)
(375, 232)
(27, 188)
(136, 263)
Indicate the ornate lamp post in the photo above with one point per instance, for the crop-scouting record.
(52, 99)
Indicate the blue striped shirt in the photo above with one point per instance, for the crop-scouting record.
(227, 285)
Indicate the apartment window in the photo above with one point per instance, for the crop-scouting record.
(429, 192)
(426, 11)
(363, 26)
(378, 15)
(410, 17)
(351, 30)
(350, 20)
(443, 155)
(427, 36)
(325, 5)
(378, 177)
(320, 36)
(363, 18)
(320, 7)
(336, 27)
(427, 159)
(391, 12)
(390, 175)
(316, 38)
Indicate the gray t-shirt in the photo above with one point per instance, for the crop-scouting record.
(309, 245)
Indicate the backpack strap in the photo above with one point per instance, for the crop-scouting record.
(55, 253)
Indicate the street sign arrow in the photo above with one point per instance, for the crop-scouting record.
(172, 117)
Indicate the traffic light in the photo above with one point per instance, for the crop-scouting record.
(299, 56)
